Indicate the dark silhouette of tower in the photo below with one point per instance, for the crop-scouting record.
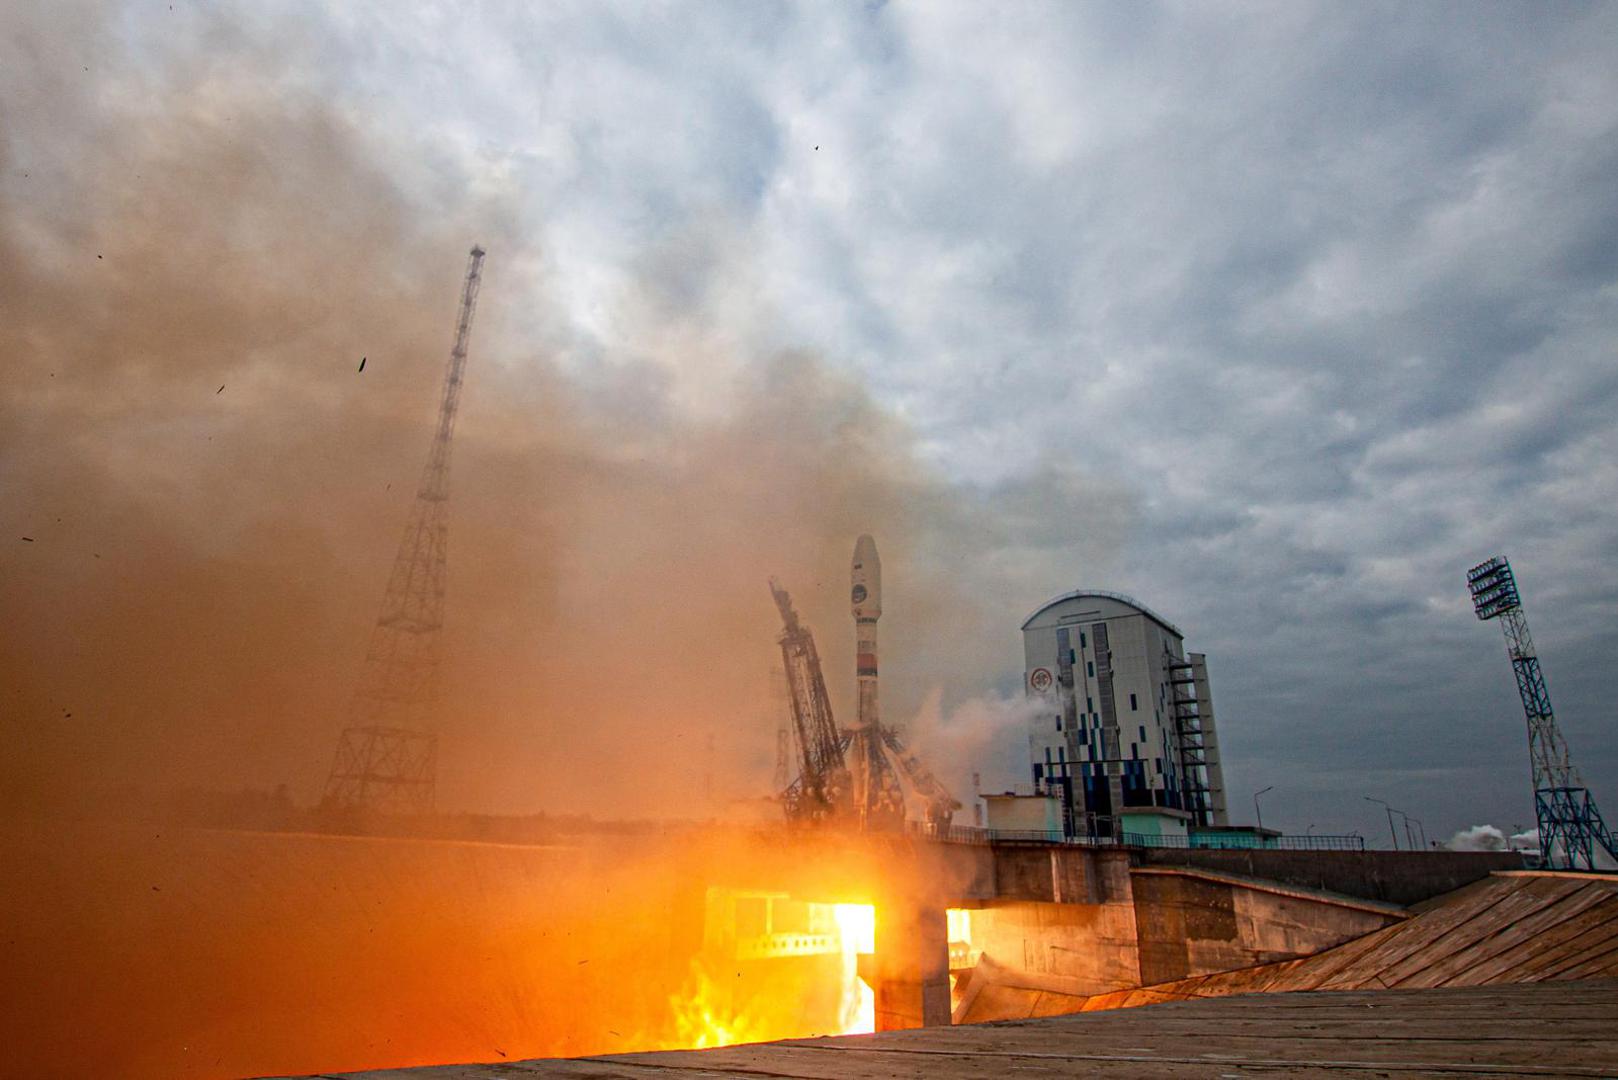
(387, 757)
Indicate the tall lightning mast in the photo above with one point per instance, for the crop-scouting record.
(387, 758)
(1570, 826)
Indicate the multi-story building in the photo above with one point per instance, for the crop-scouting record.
(1127, 741)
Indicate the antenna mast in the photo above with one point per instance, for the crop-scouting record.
(387, 758)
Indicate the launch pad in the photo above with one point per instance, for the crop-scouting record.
(855, 776)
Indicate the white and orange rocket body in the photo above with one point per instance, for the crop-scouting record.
(866, 599)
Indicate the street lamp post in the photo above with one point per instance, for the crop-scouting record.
(1256, 812)
(1421, 830)
(1389, 809)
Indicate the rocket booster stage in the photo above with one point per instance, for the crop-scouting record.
(867, 605)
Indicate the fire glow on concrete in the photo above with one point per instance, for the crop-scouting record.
(775, 967)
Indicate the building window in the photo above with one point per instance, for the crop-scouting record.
(1157, 763)
(1082, 641)
(1084, 737)
(1132, 705)
(1089, 703)
(1090, 666)
(1143, 733)
(1058, 723)
(1134, 752)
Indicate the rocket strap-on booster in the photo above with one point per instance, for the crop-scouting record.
(867, 604)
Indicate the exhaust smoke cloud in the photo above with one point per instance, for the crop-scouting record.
(197, 254)
(225, 304)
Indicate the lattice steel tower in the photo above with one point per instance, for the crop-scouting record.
(387, 758)
(821, 790)
(1570, 826)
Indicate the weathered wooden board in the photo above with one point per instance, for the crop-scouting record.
(1533, 1030)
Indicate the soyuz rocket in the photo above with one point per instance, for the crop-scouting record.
(879, 801)
(867, 603)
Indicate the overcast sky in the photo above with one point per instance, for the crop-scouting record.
(1278, 317)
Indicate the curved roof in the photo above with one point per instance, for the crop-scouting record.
(1122, 598)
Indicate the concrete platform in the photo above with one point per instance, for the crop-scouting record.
(1513, 927)
(1564, 1029)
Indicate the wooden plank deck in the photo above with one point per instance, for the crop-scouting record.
(1552, 1029)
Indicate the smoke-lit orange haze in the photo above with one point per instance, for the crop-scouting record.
(200, 499)
(194, 256)
(166, 953)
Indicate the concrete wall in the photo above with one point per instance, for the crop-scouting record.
(169, 953)
(1080, 948)
(1078, 921)
(1191, 924)
(1395, 877)
(172, 953)
(1060, 874)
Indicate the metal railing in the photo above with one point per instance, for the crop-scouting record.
(969, 834)
(1247, 842)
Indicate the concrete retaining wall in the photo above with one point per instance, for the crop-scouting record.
(1190, 924)
(1395, 877)
(153, 952)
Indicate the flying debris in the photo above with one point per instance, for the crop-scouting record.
(362, 363)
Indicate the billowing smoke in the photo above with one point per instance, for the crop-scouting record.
(1478, 838)
(1490, 838)
(986, 736)
(196, 251)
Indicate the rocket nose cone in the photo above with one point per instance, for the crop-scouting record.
(867, 579)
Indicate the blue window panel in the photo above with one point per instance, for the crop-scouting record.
(1039, 772)
(1090, 666)
(1143, 733)
(1084, 737)
(1082, 641)
(1134, 752)
(1089, 703)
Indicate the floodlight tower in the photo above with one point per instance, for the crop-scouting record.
(1570, 826)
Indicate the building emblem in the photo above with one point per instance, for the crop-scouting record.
(1040, 680)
